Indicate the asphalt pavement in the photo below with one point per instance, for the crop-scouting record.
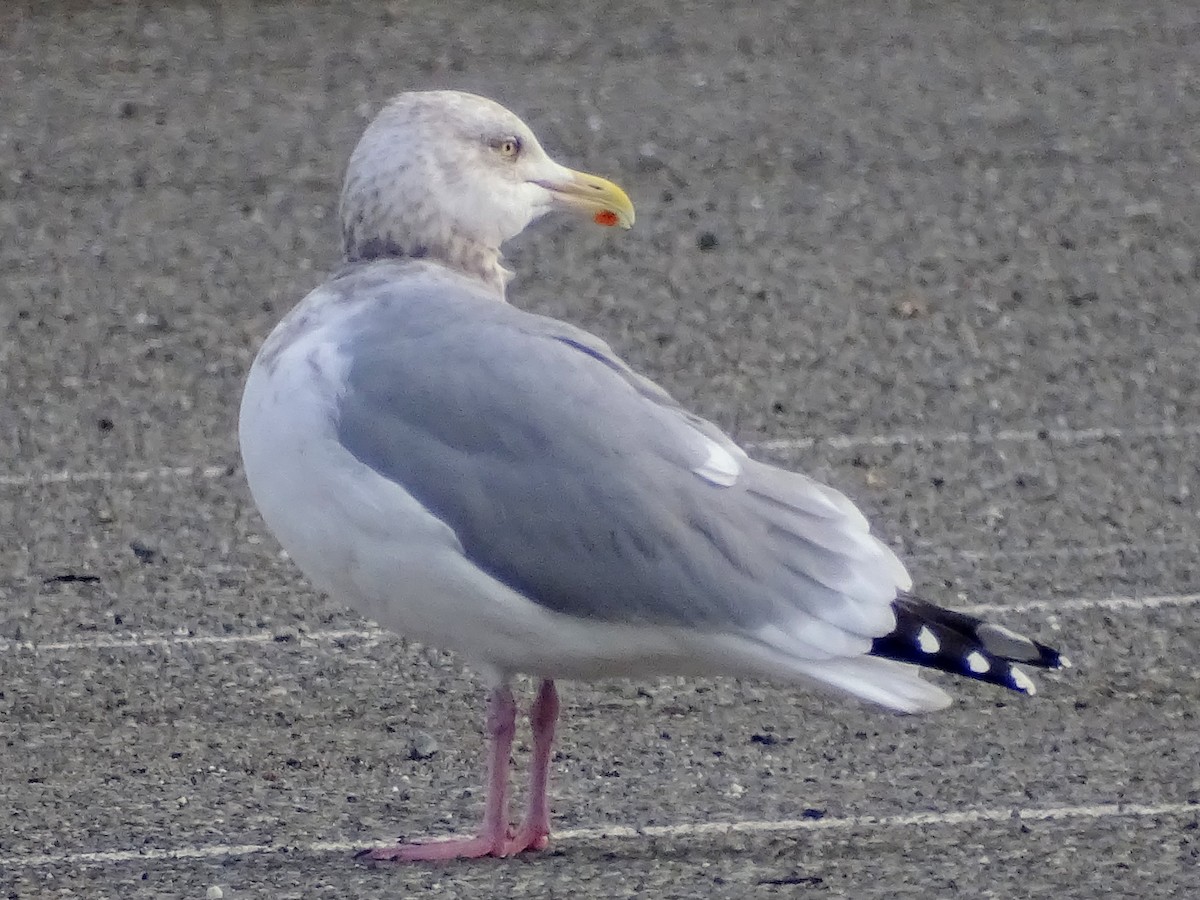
(944, 256)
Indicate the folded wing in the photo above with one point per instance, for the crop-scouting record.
(582, 485)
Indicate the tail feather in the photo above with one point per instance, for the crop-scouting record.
(932, 637)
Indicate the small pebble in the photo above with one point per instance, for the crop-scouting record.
(422, 746)
(214, 893)
(144, 551)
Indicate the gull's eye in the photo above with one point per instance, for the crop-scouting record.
(508, 147)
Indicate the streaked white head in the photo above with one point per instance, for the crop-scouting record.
(452, 176)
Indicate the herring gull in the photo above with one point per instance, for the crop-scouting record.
(502, 484)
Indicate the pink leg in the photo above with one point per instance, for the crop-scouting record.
(534, 832)
(492, 839)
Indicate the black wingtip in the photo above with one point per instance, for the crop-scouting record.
(933, 637)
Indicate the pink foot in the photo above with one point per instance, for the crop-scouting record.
(527, 838)
(522, 840)
(496, 837)
(438, 851)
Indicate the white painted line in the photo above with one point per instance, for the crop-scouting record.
(908, 820)
(580, 836)
(1067, 551)
(157, 473)
(134, 641)
(983, 436)
(1075, 604)
(836, 441)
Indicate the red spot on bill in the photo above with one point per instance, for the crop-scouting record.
(606, 217)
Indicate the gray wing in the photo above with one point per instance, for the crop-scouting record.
(583, 486)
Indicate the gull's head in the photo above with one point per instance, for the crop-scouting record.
(452, 176)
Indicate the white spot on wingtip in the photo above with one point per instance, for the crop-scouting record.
(720, 467)
(1021, 681)
(927, 641)
(977, 662)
